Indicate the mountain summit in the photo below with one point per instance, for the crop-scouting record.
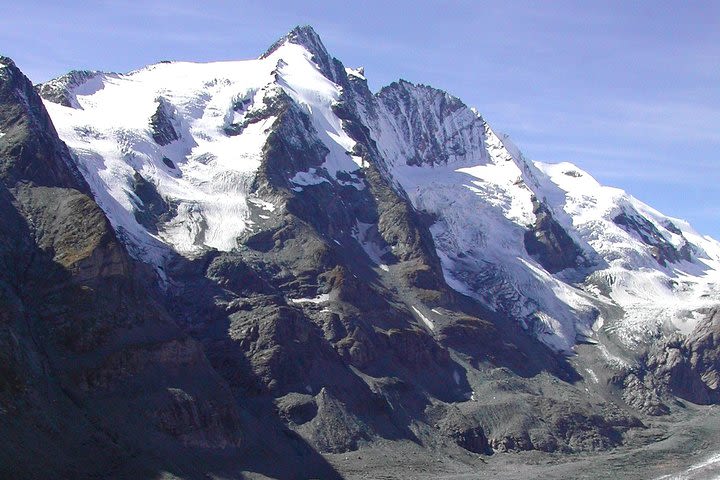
(266, 266)
(303, 36)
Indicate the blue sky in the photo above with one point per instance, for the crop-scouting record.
(629, 91)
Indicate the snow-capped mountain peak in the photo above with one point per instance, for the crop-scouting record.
(173, 151)
(170, 150)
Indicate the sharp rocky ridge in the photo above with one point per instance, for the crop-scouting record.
(267, 244)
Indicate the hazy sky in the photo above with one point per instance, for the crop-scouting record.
(629, 91)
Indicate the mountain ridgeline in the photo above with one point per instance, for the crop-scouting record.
(262, 268)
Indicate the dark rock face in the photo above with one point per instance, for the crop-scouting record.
(685, 367)
(292, 147)
(689, 367)
(60, 90)
(29, 148)
(549, 243)
(418, 109)
(169, 163)
(639, 390)
(161, 123)
(662, 250)
(104, 353)
(274, 105)
(465, 432)
(152, 209)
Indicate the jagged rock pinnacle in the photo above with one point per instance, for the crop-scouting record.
(304, 36)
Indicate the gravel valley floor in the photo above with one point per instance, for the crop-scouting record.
(674, 448)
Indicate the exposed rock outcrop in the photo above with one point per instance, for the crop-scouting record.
(163, 122)
(689, 367)
(549, 243)
(662, 250)
(61, 89)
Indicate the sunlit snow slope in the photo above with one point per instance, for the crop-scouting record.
(219, 116)
(543, 244)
